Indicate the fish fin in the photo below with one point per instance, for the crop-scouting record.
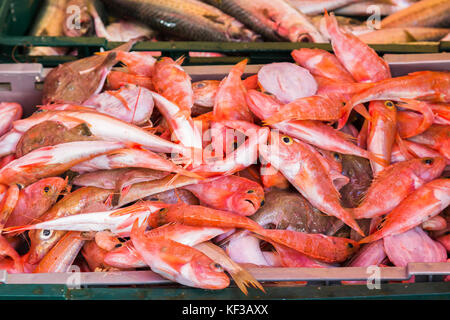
(378, 159)
(244, 279)
(125, 211)
(407, 153)
(180, 60)
(18, 229)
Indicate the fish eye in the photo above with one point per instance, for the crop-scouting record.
(199, 85)
(45, 234)
(337, 156)
(163, 210)
(47, 189)
(262, 202)
(20, 186)
(118, 245)
(350, 245)
(428, 161)
(287, 140)
(389, 104)
(250, 191)
(216, 267)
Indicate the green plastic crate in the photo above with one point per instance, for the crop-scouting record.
(17, 17)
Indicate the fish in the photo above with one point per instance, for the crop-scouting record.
(246, 250)
(178, 262)
(241, 276)
(116, 79)
(50, 133)
(309, 108)
(436, 138)
(49, 22)
(321, 63)
(35, 200)
(318, 246)
(301, 166)
(83, 200)
(402, 35)
(62, 255)
(287, 81)
(130, 103)
(94, 256)
(272, 19)
(118, 221)
(53, 160)
(290, 210)
(359, 59)
(174, 196)
(315, 133)
(423, 204)
(382, 131)
(425, 13)
(191, 19)
(205, 92)
(435, 223)
(173, 83)
(8, 253)
(417, 149)
(432, 86)
(9, 112)
(200, 216)
(103, 127)
(413, 245)
(359, 172)
(230, 193)
(312, 7)
(123, 177)
(371, 254)
(395, 183)
(76, 81)
(272, 178)
(124, 257)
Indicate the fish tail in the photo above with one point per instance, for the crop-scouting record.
(378, 159)
(244, 279)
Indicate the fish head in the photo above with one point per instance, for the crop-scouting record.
(41, 241)
(261, 104)
(429, 168)
(205, 273)
(247, 198)
(45, 192)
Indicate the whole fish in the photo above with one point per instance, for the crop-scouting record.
(110, 179)
(401, 35)
(62, 255)
(50, 133)
(130, 103)
(311, 7)
(382, 131)
(231, 193)
(52, 161)
(317, 246)
(413, 246)
(77, 81)
(173, 83)
(358, 170)
(102, 127)
(190, 19)
(272, 19)
(83, 200)
(421, 205)
(9, 112)
(395, 183)
(301, 166)
(290, 210)
(49, 22)
(178, 262)
(425, 13)
(422, 85)
(35, 200)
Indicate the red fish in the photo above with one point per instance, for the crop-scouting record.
(395, 183)
(421, 205)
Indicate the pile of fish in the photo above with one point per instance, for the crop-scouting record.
(139, 168)
(373, 21)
